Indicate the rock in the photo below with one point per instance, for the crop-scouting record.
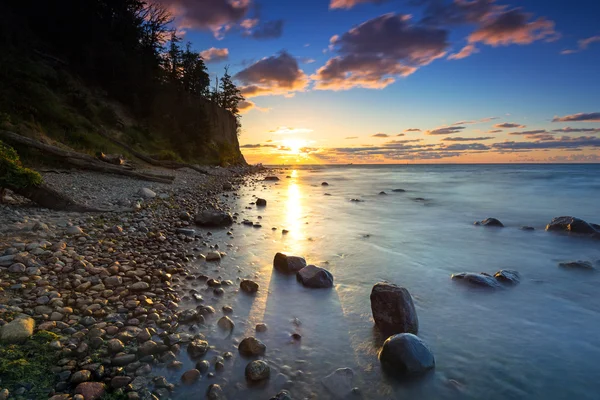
(249, 286)
(481, 280)
(197, 348)
(261, 328)
(226, 324)
(81, 376)
(283, 395)
(315, 277)
(582, 265)
(74, 230)
(393, 309)
(91, 390)
(149, 347)
(4, 392)
(324, 184)
(146, 193)
(406, 354)
(17, 268)
(139, 286)
(398, 190)
(490, 222)
(203, 366)
(213, 256)
(261, 202)
(271, 178)
(288, 264)
(507, 276)
(214, 392)
(191, 376)
(113, 281)
(214, 218)
(122, 359)
(339, 382)
(257, 370)
(572, 225)
(382, 193)
(186, 232)
(527, 228)
(18, 330)
(119, 382)
(251, 346)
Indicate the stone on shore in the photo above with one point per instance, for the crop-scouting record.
(288, 264)
(214, 392)
(91, 390)
(261, 202)
(393, 309)
(339, 383)
(257, 370)
(249, 286)
(315, 277)
(490, 222)
(572, 225)
(213, 218)
(406, 354)
(146, 193)
(197, 348)
(398, 190)
(213, 256)
(18, 330)
(479, 280)
(226, 324)
(190, 377)
(271, 178)
(251, 346)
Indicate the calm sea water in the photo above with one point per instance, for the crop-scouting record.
(538, 340)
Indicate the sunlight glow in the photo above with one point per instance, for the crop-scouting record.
(293, 217)
(294, 146)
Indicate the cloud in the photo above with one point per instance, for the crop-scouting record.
(401, 134)
(467, 146)
(256, 146)
(376, 52)
(464, 139)
(580, 117)
(247, 105)
(267, 30)
(447, 130)
(347, 4)
(275, 75)
(574, 130)
(536, 132)
(213, 15)
(380, 135)
(582, 45)
(512, 27)
(285, 130)
(495, 131)
(488, 119)
(464, 52)
(509, 125)
(458, 12)
(352, 137)
(563, 143)
(412, 130)
(214, 55)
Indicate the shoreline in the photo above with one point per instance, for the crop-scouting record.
(103, 282)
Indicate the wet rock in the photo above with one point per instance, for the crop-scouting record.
(190, 377)
(250, 347)
(271, 178)
(315, 277)
(261, 328)
(149, 348)
(324, 184)
(249, 286)
(91, 390)
(18, 330)
(119, 382)
(122, 359)
(283, 395)
(572, 225)
(382, 193)
(81, 376)
(490, 222)
(214, 392)
(339, 382)
(213, 256)
(197, 348)
(474, 279)
(139, 286)
(214, 218)
(507, 276)
(257, 370)
(146, 193)
(406, 354)
(581, 265)
(288, 264)
(527, 228)
(226, 324)
(203, 366)
(398, 190)
(261, 202)
(393, 309)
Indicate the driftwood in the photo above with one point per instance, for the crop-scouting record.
(82, 161)
(152, 161)
(47, 197)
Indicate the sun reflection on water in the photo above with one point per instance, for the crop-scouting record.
(293, 216)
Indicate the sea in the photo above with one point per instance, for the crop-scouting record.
(539, 339)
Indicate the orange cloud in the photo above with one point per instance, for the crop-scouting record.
(214, 55)
(464, 52)
(351, 3)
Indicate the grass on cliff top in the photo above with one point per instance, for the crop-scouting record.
(29, 364)
(12, 173)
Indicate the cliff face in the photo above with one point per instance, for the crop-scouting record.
(223, 133)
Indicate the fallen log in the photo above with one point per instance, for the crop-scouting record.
(47, 197)
(82, 161)
(152, 161)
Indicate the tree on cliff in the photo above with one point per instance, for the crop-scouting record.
(230, 95)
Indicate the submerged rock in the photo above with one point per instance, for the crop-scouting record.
(490, 222)
(481, 280)
(197, 348)
(191, 376)
(251, 346)
(382, 193)
(406, 354)
(398, 190)
(213, 218)
(226, 324)
(257, 371)
(249, 286)
(527, 228)
(582, 265)
(508, 276)
(283, 395)
(288, 264)
(572, 225)
(339, 382)
(315, 277)
(393, 309)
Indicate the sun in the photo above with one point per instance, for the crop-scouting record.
(294, 145)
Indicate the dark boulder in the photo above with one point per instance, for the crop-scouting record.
(527, 228)
(261, 202)
(288, 264)
(474, 279)
(507, 276)
(398, 190)
(315, 277)
(581, 265)
(324, 184)
(393, 309)
(406, 354)
(382, 193)
(271, 178)
(249, 286)
(572, 225)
(257, 370)
(490, 222)
(214, 218)
(251, 346)
(197, 348)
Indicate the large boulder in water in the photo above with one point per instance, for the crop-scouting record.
(315, 277)
(288, 264)
(406, 354)
(507, 276)
(481, 280)
(214, 218)
(490, 222)
(572, 225)
(393, 309)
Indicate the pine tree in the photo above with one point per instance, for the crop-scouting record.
(230, 96)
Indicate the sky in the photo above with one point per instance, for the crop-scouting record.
(406, 81)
